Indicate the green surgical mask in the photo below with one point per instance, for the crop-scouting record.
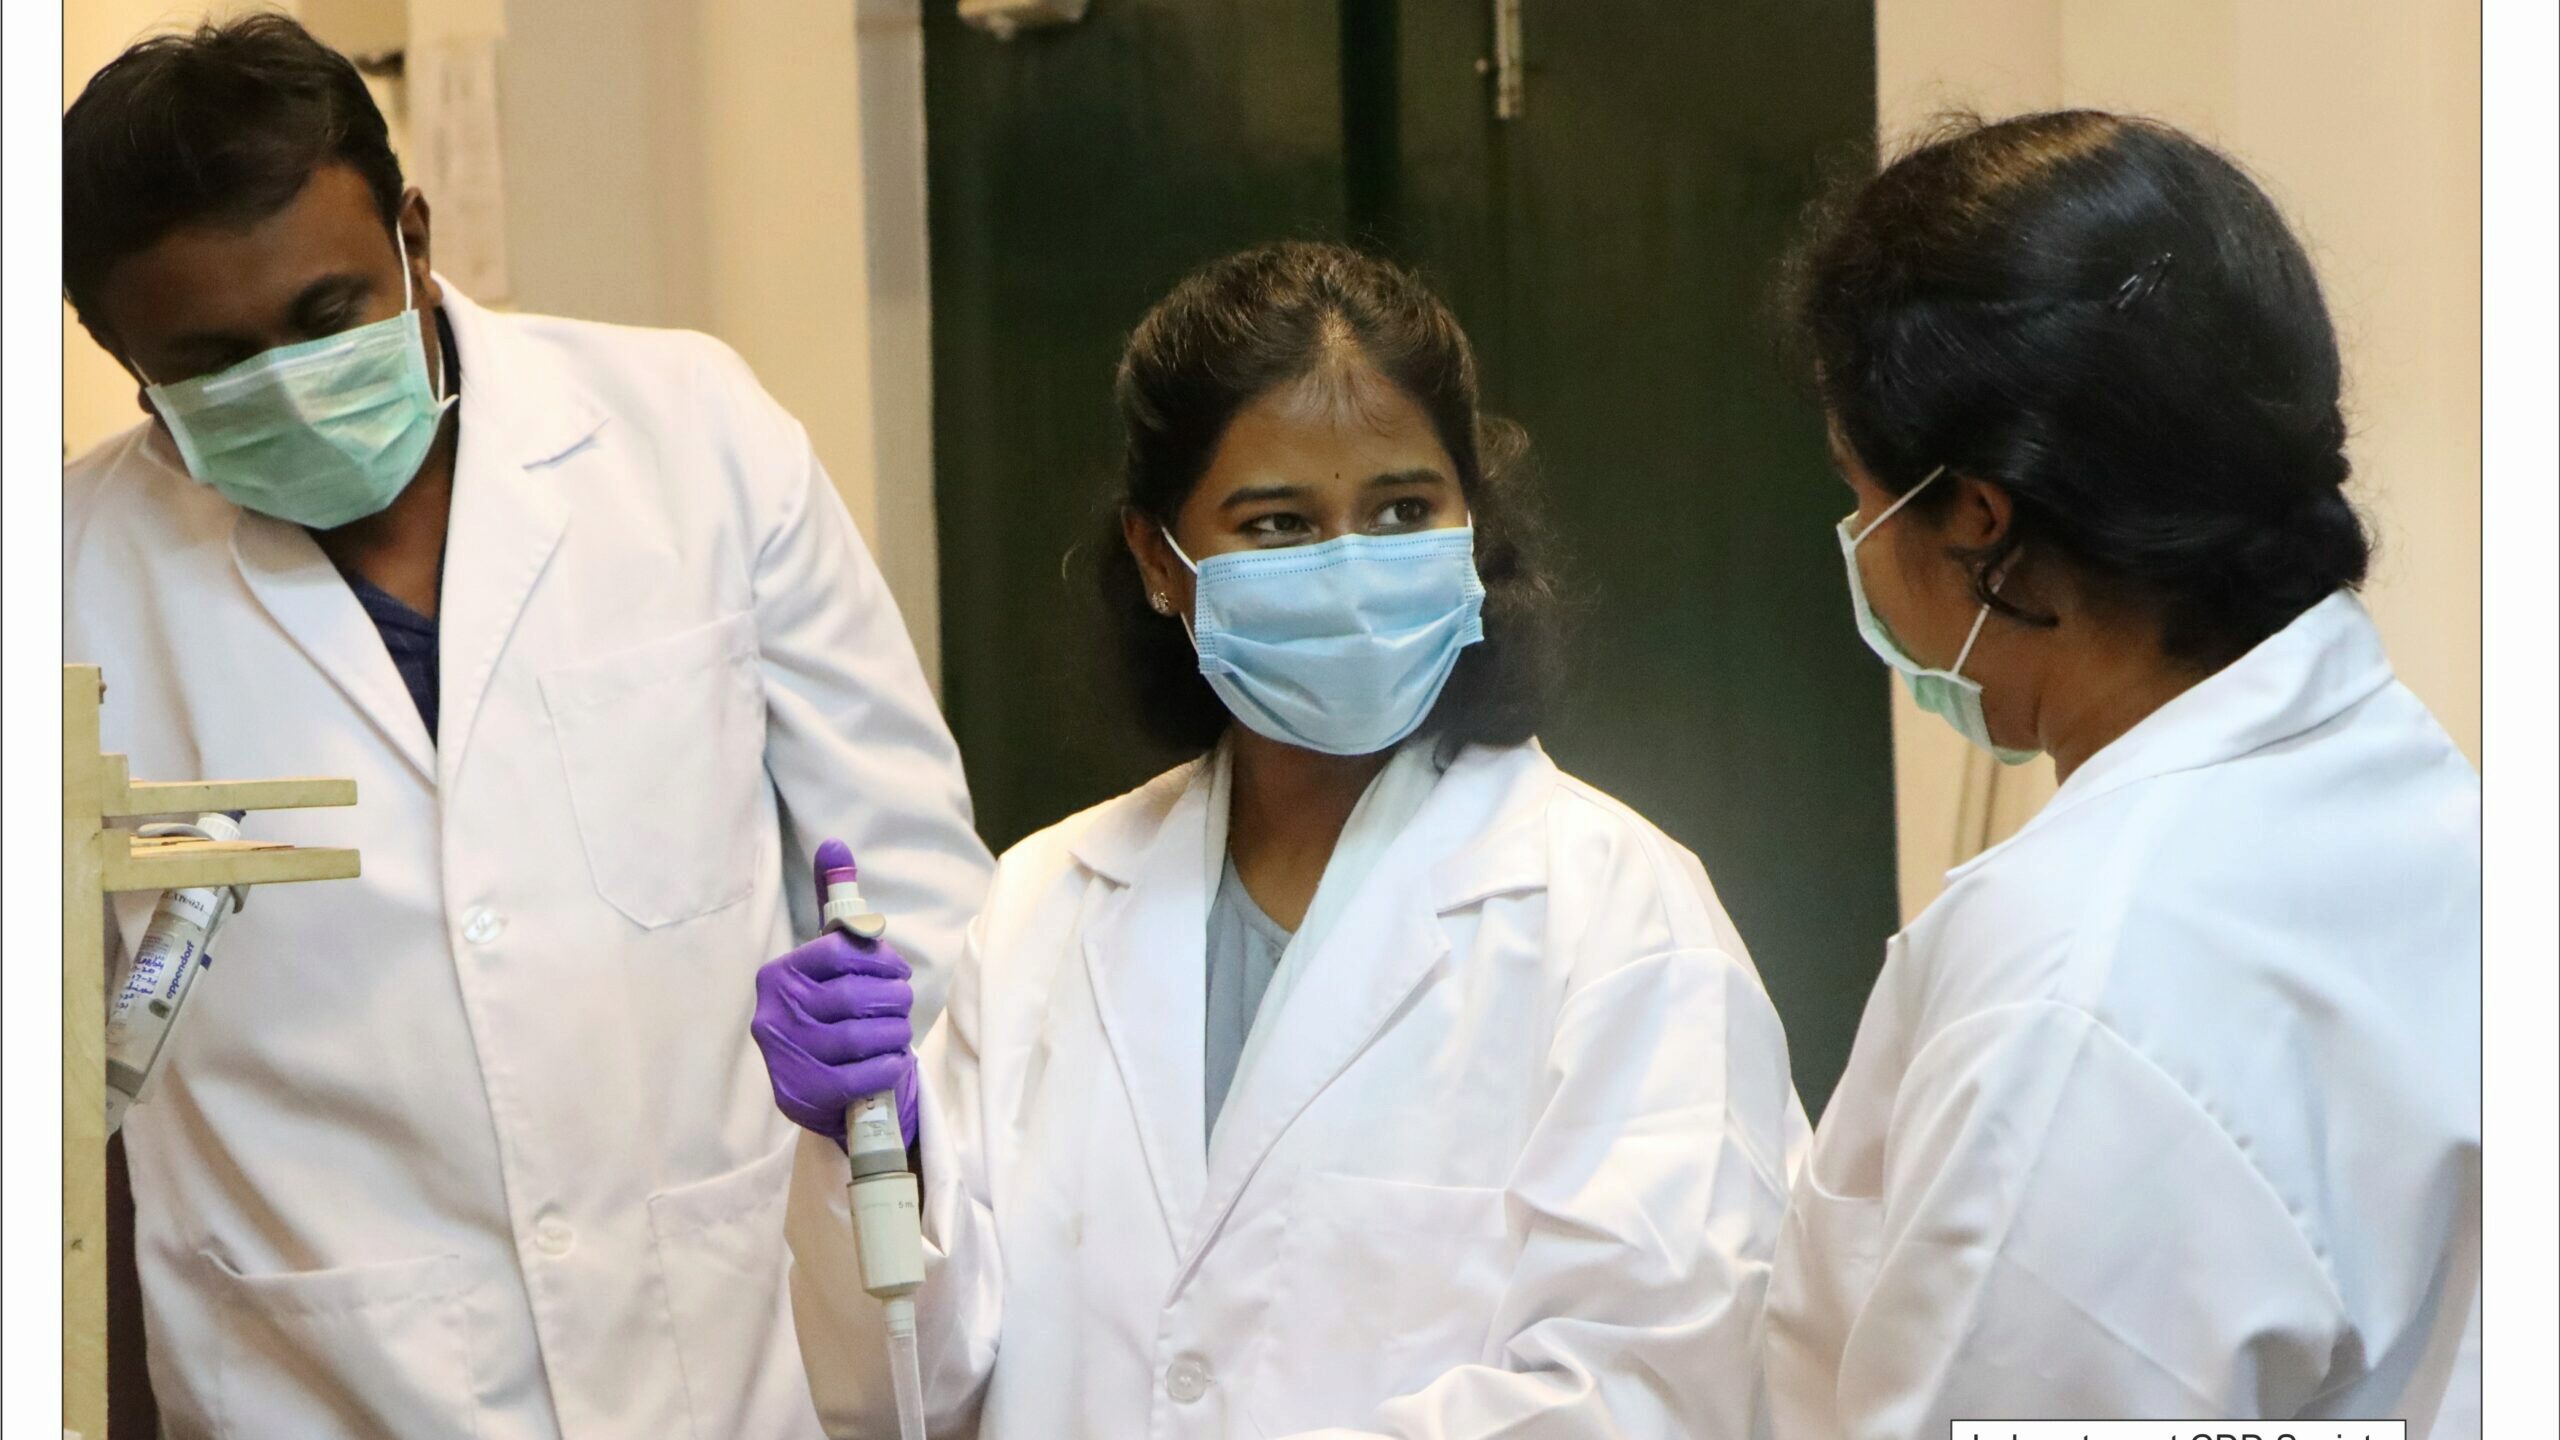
(1946, 693)
(320, 433)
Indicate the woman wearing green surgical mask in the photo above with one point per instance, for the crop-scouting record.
(2169, 1105)
(1947, 693)
(1365, 1074)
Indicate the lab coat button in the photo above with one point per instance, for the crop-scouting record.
(554, 1236)
(1187, 1379)
(482, 927)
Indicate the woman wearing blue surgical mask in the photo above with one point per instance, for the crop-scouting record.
(1366, 1074)
(2168, 1107)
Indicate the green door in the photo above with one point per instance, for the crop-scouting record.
(1610, 249)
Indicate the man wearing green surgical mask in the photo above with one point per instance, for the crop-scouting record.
(479, 1142)
(252, 303)
(293, 359)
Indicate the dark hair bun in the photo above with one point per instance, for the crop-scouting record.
(2110, 320)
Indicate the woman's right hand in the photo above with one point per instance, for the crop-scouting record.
(832, 1018)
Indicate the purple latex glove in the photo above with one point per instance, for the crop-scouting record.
(832, 1021)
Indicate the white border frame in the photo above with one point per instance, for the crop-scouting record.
(31, 723)
(2519, 746)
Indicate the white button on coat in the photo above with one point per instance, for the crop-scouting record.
(660, 637)
(1476, 1183)
(554, 1236)
(1187, 1379)
(2170, 1105)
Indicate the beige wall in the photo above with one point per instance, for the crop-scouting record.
(814, 170)
(756, 171)
(2362, 117)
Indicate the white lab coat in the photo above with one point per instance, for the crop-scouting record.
(2169, 1107)
(478, 1144)
(1512, 1160)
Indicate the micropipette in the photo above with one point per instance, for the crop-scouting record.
(887, 1224)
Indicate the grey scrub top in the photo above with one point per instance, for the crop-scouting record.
(1244, 948)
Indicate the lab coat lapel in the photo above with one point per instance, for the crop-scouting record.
(1146, 959)
(523, 417)
(1385, 943)
(1475, 836)
(1465, 843)
(309, 599)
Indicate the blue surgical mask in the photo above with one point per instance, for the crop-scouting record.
(1946, 693)
(320, 433)
(1341, 647)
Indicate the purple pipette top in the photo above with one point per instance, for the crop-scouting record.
(835, 863)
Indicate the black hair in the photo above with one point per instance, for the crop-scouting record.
(224, 124)
(2112, 322)
(1245, 325)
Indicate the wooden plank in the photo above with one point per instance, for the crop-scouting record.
(144, 866)
(84, 1068)
(195, 797)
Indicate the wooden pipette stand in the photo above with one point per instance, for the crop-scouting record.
(99, 860)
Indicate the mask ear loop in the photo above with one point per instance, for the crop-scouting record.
(1980, 618)
(1972, 635)
(409, 306)
(1906, 498)
(408, 282)
(1188, 633)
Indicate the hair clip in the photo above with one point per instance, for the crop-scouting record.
(2141, 282)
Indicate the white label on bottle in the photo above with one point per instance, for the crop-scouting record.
(164, 962)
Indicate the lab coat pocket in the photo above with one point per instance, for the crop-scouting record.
(721, 1258)
(663, 748)
(1381, 1285)
(370, 1351)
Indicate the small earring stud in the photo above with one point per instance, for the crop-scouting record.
(1163, 605)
